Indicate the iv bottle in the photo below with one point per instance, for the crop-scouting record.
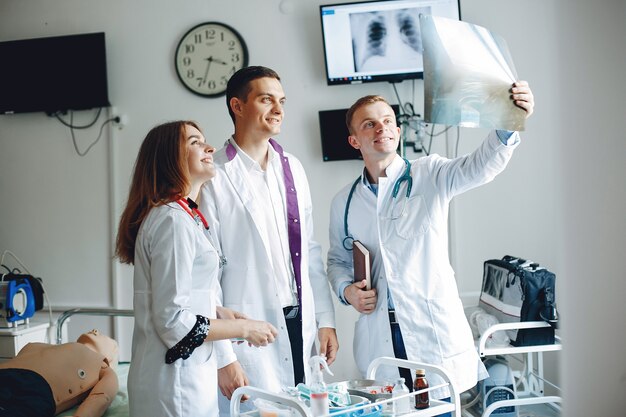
(421, 400)
(403, 405)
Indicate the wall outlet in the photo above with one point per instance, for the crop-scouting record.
(120, 120)
(123, 121)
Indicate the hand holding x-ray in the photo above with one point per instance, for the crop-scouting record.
(468, 77)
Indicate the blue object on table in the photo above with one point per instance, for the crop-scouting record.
(349, 411)
(17, 300)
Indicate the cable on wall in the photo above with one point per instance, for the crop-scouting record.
(72, 127)
(411, 122)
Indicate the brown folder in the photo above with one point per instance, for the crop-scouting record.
(362, 264)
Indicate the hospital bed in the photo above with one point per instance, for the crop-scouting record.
(119, 407)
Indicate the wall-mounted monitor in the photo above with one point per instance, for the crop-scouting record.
(377, 40)
(334, 133)
(53, 74)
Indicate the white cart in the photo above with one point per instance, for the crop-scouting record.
(436, 407)
(531, 379)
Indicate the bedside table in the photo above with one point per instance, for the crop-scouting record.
(12, 339)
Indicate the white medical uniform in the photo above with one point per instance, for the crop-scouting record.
(247, 280)
(175, 278)
(410, 256)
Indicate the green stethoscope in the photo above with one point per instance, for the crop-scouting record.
(347, 241)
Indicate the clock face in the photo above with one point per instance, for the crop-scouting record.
(206, 57)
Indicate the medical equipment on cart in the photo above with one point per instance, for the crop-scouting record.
(403, 405)
(518, 290)
(437, 407)
(530, 381)
(498, 387)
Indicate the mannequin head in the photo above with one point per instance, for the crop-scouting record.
(101, 344)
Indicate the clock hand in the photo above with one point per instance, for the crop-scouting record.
(208, 65)
(219, 61)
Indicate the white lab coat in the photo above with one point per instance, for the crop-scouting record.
(175, 278)
(410, 255)
(247, 280)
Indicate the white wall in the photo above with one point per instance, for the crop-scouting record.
(559, 202)
(592, 173)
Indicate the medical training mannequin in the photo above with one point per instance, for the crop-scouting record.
(413, 309)
(261, 205)
(176, 289)
(44, 380)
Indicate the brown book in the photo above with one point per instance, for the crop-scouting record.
(362, 264)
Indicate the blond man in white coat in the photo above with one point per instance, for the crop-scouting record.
(261, 206)
(399, 210)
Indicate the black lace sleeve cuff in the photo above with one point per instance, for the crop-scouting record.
(189, 343)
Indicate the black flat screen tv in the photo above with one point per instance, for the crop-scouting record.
(334, 133)
(53, 74)
(377, 40)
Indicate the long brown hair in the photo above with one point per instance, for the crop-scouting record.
(161, 175)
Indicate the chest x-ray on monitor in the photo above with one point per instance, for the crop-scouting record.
(468, 73)
(372, 41)
(387, 39)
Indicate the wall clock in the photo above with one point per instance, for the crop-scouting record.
(207, 55)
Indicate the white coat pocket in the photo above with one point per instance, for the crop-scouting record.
(410, 216)
(454, 335)
(360, 346)
(200, 355)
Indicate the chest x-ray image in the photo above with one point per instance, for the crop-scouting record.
(387, 40)
(468, 72)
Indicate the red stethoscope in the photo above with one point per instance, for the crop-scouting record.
(192, 210)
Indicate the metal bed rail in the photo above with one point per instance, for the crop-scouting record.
(88, 312)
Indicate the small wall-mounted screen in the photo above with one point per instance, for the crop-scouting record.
(334, 133)
(53, 74)
(377, 40)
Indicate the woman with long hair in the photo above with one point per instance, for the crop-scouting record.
(173, 370)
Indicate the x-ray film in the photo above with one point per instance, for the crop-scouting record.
(468, 73)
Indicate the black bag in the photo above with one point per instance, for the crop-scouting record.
(35, 284)
(515, 290)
